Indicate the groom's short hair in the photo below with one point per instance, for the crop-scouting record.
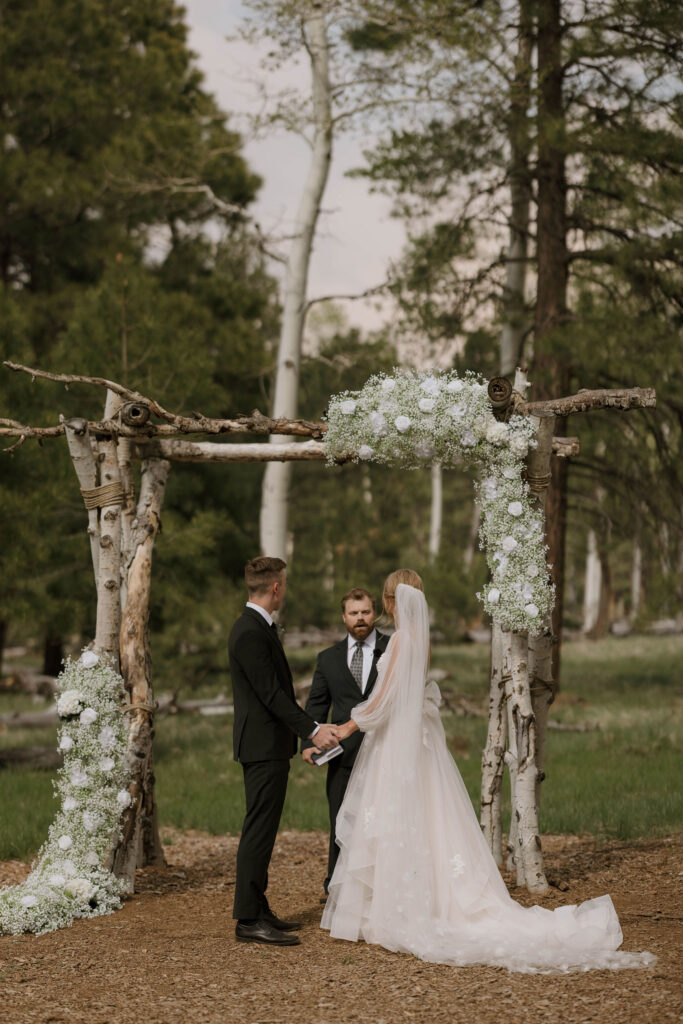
(357, 594)
(260, 573)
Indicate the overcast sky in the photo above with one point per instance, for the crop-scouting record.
(356, 236)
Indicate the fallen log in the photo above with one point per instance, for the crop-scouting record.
(36, 757)
(29, 719)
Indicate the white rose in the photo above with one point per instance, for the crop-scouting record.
(56, 879)
(348, 407)
(431, 386)
(468, 439)
(515, 508)
(402, 424)
(454, 386)
(365, 451)
(69, 703)
(79, 777)
(509, 544)
(494, 595)
(107, 737)
(497, 433)
(123, 798)
(532, 571)
(68, 868)
(70, 804)
(65, 842)
(378, 423)
(66, 743)
(88, 716)
(92, 859)
(105, 764)
(531, 610)
(457, 411)
(427, 404)
(89, 659)
(81, 889)
(527, 591)
(28, 901)
(90, 821)
(509, 474)
(388, 384)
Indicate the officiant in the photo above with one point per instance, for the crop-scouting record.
(344, 677)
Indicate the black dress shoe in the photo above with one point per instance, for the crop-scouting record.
(263, 931)
(282, 926)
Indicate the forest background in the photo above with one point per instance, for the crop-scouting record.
(110, 270)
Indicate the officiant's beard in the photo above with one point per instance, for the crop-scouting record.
(360, 630)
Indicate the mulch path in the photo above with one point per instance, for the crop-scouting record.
(170, 956)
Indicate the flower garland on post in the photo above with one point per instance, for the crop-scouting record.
(70, 878)
(412, 419)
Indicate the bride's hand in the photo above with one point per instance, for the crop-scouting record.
(345, 730)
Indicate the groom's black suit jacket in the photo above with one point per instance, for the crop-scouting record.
(267, 716)
(334, 687)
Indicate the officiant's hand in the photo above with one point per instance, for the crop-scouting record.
(308, 753)
(327, 737)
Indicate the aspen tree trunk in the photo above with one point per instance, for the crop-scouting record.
(592, 584)
(468, 554)
(521, 725)
(436, 517)
(636, 579)
(83, 459)
(514, 308)
(276, 479)
(551, 370)
(493, 754)
(514, 860)
(140, 843)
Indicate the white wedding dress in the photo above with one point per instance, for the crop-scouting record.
(414, 872)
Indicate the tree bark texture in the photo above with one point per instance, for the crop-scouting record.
(140, 843)
(276, 480)
(109, 574)
(83, 459)
(522, 729)
(592, 584)
(436, 516)
(493, 754)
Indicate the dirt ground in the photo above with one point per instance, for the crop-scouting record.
(170, 954)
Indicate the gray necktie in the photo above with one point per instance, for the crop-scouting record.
(357, 664)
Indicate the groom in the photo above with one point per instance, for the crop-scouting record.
(267, 723)
(344, 676)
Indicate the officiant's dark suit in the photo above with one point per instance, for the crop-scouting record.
(268, 721)
(334, 688)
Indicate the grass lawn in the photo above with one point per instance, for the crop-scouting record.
(619, 781)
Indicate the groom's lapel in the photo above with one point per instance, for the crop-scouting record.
(380, 647)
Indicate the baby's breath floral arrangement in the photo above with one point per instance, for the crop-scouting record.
(69, 878)
(412, 419)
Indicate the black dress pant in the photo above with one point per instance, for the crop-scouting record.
(265, 787)
(338, 776)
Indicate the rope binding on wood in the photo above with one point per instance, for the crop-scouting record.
(141, 705)
(106, 494)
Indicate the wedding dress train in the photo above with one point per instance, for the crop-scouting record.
(414, 872)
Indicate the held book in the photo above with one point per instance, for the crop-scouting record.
(327, 755)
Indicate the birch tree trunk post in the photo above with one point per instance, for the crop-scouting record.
(140, 843)
(521, 724)
(513, 861)
(276, 479)
(493, 754)
(109, 575)
(592, 584)
(85, 466)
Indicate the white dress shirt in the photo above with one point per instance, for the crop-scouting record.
(368, 650)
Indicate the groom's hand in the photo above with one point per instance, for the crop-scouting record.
(308, 753)
(326, 737)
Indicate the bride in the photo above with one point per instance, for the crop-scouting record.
(414, 872)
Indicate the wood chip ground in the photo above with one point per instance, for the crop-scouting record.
(170, 956)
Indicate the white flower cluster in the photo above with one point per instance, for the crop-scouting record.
(413, 419)
(69, 878)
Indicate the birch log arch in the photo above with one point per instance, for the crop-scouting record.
(107, 824)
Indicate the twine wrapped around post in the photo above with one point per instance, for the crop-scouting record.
(105, 494)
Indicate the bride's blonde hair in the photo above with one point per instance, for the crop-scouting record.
(408, 576)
